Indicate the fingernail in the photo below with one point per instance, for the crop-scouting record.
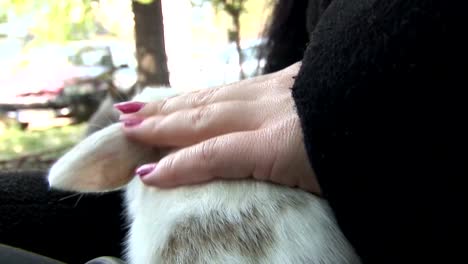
(132, 122)
(145, 169)
(129, 107)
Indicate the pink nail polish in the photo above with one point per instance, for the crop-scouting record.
(132, 122)
(145, 169)
(129, 107)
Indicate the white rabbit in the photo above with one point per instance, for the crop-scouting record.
(243, 221)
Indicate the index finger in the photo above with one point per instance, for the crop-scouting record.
(245, 90)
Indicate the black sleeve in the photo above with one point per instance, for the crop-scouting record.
(382, 102)
(67, 226)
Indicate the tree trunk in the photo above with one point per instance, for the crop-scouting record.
(151, 57)
(150, 48)
(237, 39)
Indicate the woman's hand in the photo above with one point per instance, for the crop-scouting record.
(246, 129)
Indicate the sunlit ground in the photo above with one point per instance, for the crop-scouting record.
(15, 143)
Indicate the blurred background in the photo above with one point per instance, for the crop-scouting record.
(64, 63)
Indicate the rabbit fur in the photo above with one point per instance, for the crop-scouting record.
(242, 221)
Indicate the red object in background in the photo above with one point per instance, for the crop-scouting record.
(40, 85)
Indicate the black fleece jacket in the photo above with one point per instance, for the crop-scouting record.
(382, 102)
(61, 225)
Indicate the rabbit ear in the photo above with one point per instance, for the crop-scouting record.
(104, 161)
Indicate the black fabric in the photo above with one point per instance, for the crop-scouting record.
(11, 255)
(315, 9)
(382, 102)
(60, 225)
(288, 32)
(284, 47)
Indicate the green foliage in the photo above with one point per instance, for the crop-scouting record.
(3, 15)
(232, 7)
(3, 11)
(144, 2)
(52, 20)
(15, 142)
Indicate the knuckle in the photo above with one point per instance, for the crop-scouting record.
(199, 115)
(154, 131)
(205, 97)
(208, 154)
(267, 163)
(167, 165)
(163, 106)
